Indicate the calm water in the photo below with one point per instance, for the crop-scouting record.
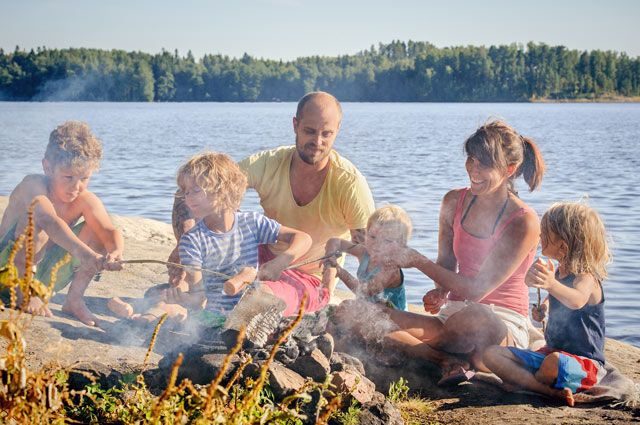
(411, 155)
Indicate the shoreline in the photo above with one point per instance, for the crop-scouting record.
(151, 238)
(118, 348)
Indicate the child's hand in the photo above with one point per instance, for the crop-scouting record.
(191, 299)
(273, 269)
(541, 275)
(177, 275)
(539, 313)
(93, 262)
(236, 283)
(112, 261)
(434, 300)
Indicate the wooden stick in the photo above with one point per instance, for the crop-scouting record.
(304, 263)
(182, 266)
(540, 307)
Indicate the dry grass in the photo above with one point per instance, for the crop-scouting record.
(43, 396)
(417, 411)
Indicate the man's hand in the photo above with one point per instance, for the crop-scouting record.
(177, 275)
(332, 262)
(332, 246)
(434, 300)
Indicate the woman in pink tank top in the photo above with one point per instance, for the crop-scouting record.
(487, 240)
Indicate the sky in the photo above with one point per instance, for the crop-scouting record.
(287, 29)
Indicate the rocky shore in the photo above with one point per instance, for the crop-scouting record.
(119, 347)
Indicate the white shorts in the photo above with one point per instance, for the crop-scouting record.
(517, 324)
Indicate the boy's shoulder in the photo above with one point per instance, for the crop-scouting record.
(31, 186)
(36, 183)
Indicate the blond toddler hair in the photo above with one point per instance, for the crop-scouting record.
(217, 174)
(392, 216)
(582, 230)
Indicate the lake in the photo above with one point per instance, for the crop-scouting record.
(411, 154)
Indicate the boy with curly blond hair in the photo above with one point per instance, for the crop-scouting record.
(68, 218)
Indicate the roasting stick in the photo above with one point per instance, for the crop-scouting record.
(539, 306)
(232, 286)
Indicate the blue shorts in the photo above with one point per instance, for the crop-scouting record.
(574, 372)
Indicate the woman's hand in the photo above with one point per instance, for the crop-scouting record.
(434, 300)
(395, 254)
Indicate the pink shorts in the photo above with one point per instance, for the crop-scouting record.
(292, 286)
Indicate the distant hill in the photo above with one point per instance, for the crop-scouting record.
(395, 72)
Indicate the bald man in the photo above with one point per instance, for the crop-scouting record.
(309, 187)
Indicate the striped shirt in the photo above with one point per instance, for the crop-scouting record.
(226, 253)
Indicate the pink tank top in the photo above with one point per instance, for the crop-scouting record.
(471, 251)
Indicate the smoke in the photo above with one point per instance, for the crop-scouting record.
(368, 320)
(90, 86)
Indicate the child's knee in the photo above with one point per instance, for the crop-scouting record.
(548, 371)
(89, 237)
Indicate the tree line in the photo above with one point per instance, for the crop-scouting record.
(395, 72)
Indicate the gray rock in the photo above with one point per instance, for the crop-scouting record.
(314, 365)
(86, 373)
(199, 366)
(283, 381)
(325, 344)
(341, 361)
(357, 386)
(380, 413)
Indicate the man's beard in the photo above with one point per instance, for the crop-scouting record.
(310, 159)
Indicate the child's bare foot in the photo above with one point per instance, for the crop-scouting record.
(120, 308)
(567, 395)
(37, 307)
(174, 311)
(78, 309)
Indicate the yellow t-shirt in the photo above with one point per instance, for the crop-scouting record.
(343, 203)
